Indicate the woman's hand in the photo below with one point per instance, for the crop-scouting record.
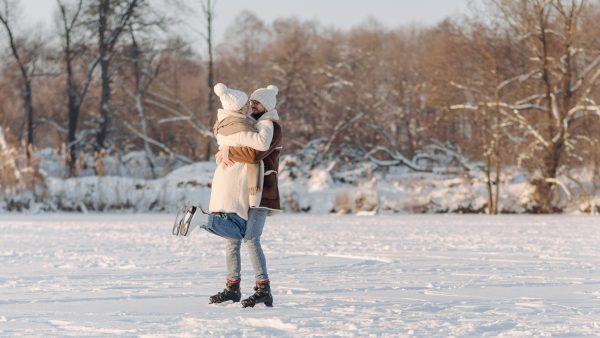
(224, 161)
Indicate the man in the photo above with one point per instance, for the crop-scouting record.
(262, 100)
(229, 224)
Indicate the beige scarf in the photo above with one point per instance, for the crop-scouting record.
(235, 124)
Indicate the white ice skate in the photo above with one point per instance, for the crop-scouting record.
(189, 218)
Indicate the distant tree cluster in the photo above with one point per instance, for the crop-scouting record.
(517, 85)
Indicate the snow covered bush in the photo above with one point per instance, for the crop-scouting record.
(19, 176)
(361, 188)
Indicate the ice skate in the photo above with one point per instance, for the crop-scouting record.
(262, 295)
(188, 219)
(231, 292)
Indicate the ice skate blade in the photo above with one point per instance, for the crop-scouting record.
(176, 227)
(186, 231)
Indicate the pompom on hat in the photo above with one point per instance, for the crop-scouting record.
(231, 99)
(266, 96)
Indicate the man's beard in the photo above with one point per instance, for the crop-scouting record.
(256, 115)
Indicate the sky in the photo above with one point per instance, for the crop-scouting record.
(342, 14)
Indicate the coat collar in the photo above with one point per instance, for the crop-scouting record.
(224, 113)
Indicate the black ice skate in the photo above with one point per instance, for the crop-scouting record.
(262, 295)
(232, 292)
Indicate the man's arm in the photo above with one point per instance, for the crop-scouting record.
(247, 154)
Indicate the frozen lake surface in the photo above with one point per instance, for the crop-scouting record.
(429, 275)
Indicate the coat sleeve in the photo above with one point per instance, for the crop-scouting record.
(259, 141)
(251, 155)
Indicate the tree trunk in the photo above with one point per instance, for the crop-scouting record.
(488, 185)
(72, 126)
(103, 13)
(72, 106)
(28, 113)
(546, 191)
(209, 15)
(139, 102)
(498, 162)
(107, 39)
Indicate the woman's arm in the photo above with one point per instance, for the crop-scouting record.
(259, 141)
(251, 155)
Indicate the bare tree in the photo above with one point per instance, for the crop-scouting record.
(113, 18)
(492, 61)
(25, 59)
(567, 77)
(243, 50)
(76, 93)
(556, 87)
(143, 74)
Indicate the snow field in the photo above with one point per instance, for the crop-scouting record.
(390, 276)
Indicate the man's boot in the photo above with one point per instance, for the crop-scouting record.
(262, 295)
(231, 292)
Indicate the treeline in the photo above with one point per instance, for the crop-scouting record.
(517, 85)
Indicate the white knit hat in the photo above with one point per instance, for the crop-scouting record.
(231, 99)
(266, 96)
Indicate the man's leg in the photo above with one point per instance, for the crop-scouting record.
(255, 225)
(254, 229)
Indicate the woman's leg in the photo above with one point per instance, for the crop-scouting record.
(226, 225)
(254, 229)
(232, 286)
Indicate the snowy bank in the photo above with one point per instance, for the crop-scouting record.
(318, 191)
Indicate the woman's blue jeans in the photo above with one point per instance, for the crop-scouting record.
(237, 231)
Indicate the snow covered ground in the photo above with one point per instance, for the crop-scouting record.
(425, 275)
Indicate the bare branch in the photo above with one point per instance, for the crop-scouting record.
(53, 124)
(156, 143)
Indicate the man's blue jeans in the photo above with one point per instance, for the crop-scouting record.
(237, 231)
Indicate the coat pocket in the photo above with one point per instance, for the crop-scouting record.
(270, 190)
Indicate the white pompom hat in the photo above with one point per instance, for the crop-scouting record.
(266, 96)
(231, 99)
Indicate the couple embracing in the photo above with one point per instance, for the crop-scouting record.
(244, 187)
